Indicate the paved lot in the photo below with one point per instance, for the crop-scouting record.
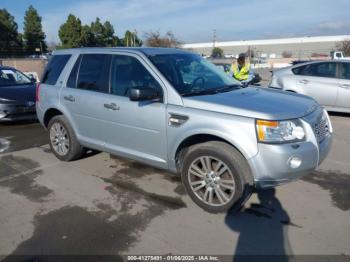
(106, 205)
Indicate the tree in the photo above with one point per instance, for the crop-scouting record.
(33, 35)
(217, 52)
(154, 39)
(70, 32)
(344, 46)
(87, 38)
(287, 54)
(97, 31)
(10, 40)
(131, 39)
(108, 34)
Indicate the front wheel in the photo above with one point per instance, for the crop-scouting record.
(216, 176)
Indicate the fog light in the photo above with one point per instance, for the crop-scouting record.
(294, 162)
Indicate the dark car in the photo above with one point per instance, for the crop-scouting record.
(17, 95)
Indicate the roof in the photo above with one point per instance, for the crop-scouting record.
(295, 40)
(145, 50)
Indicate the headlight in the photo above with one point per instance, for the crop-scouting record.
(280, 131)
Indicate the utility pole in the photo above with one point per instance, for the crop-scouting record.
(41, 48)
(135, 33)
(214, 37)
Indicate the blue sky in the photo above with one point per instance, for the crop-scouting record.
(194, 20)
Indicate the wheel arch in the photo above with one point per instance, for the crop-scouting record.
(196, 139)
(49, 114)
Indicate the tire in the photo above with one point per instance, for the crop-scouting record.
(62, 139)
(230, 174)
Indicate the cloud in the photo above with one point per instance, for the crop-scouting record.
(117, 12)
(332, 27)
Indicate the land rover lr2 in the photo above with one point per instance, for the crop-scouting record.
(175, 110)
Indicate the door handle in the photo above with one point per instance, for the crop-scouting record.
(111, 106)
(69, 98)
(345, 86)
(304, 81)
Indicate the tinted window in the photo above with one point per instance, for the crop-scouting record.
(128, 72)
(318, 69)
(345, 71)
(54, 69)
(94, 72)
(72, 80)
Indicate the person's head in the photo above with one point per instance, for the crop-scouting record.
(241, 59)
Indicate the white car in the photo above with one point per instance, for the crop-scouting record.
(328, 82)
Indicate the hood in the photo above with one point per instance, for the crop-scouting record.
(18, 93)
(263, 103)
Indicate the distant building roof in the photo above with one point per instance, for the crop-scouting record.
(295, 40)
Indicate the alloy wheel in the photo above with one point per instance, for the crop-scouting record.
(211, 180)
(59, 139)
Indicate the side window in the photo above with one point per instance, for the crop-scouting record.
(128, 72)
(72, 80)
(299, 70)
(345, 71)
(325, 69)
(318, 69)
(94, 72)
(54, 69)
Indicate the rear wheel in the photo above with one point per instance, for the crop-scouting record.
(216, 176)
(63, 142)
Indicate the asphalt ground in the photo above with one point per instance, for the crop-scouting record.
(103, 204)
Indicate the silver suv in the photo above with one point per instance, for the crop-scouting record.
(174, 110)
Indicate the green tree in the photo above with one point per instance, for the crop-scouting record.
(10, 40)
(217, 52)
(97, 30)
(70, 32)
(87, 37)
(33, 35)
(108, 33)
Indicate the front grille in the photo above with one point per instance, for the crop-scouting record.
(321, 128)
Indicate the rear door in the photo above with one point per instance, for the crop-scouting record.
(319, 81)
(343, 99)
(86, 90)
(50, 86)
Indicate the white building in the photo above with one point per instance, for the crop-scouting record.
(300, 47)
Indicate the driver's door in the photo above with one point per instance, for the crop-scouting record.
(136, 129)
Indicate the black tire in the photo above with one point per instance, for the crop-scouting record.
(239, 173)
(74, 150)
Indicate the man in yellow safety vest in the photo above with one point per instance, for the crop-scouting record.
(241, 70)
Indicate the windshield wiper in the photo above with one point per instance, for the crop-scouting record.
(212, 91)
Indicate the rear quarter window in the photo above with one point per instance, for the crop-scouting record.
(54, 69)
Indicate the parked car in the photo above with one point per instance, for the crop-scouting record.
(17, 95)
(226, 67)
(326, 81)
(174, 110)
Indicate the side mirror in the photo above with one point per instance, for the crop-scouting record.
(32, 79)
(143, 93)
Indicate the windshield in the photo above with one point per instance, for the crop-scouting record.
(191, 74)
(9, 77)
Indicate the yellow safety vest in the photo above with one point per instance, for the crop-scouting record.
(240, 74)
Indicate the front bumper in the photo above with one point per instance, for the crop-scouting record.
(17, 112)
(271, 166)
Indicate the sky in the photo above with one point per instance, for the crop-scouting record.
(194, 21)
